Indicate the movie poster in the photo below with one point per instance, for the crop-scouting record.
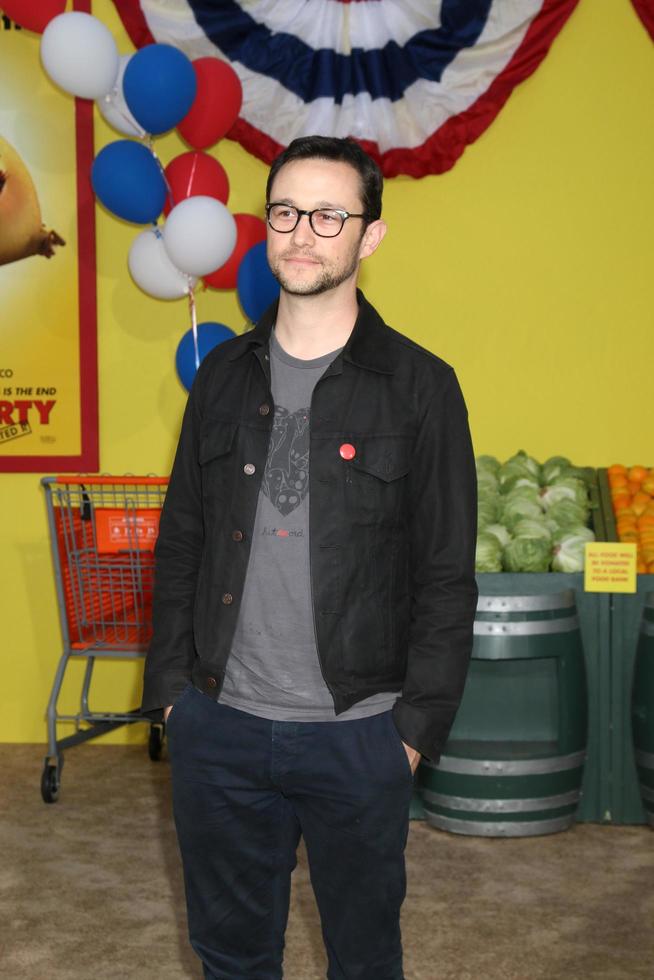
(48, 362)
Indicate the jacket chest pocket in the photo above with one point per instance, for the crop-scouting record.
(375, 479)
(216, 459)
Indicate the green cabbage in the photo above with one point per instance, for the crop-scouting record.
(488, 554)
(580, 530)
(519, 465)
(487, 483)
(520, 482)
(585, 475)
(554, 467)
(500, 533)
(568, 513)
(569, 552)
(488, 509)
(487, 464)
(565, 487)
(516, 507)
(530, 528)
(527, 555)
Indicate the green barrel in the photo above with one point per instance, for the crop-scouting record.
(513, 764)
(643, 709)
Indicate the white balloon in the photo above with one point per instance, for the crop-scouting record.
(199, 235)
(115, 110)
(79, 54)
(152, 270)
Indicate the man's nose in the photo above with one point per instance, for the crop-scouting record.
(303, 232)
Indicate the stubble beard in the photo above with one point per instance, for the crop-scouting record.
(328, 278)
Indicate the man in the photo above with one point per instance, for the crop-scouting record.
(315, 592)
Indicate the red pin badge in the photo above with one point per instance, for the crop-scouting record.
(347, 451)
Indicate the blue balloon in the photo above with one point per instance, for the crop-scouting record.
(209, 336)
(256, 286)
(129, 181)
(159, 86)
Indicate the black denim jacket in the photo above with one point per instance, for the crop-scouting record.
(392, 530)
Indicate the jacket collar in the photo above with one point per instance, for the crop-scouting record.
(367, 347)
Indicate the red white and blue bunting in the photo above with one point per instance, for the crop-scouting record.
(414, 81)
(645, 10)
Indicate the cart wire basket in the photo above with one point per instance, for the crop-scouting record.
(102, 533)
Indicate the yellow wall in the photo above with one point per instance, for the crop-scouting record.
(528, 267)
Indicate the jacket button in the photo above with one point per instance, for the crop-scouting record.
(212, 682)
(264, 409)
(249, 469)
(237, 535)
(228, 598)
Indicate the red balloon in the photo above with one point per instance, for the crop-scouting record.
(193, 173)
(249, 231)
(34, 15)
(216, 106)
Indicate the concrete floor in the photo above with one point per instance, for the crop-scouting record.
(91, 887)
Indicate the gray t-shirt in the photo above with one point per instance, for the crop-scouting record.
(273, 669)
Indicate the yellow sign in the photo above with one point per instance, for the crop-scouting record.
(610, 567)
(48, 370)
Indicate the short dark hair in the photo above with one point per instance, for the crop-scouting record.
(344, 151)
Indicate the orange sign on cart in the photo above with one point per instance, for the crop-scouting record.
(121, 530)
(610, 567)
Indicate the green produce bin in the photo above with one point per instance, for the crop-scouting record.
(594, 632)
(643, 709)
(625, 805)
(627, 616)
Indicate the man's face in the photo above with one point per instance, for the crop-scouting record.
(302, 262)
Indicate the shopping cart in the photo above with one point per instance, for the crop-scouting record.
(102, 532)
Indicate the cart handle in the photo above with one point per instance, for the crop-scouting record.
(157, 481)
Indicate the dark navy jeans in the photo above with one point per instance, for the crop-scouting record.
(244, 790)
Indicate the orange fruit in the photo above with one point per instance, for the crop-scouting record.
(616, 468)
(621, 501)
(650, 567)
(619, 480)
(638, 473)
(628, 536)
(621, 528)
(645, 520)
(639, 503)
(648, 485)
(626, 519)
(633, 486)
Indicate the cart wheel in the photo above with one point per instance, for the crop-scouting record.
(50, 783)
(155, 742)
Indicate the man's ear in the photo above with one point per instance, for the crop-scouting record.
(372, 238)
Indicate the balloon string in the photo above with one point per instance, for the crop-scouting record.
(194, 325)
(131, 121)
(191, 176)
(150, 146)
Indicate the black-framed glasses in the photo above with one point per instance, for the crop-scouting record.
(325, 222)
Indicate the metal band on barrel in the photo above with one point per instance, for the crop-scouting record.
(526, 603)
(532, 627)
(508, 767)
(502, 806)
(482, 828)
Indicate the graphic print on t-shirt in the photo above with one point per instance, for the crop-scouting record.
(286, 478)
